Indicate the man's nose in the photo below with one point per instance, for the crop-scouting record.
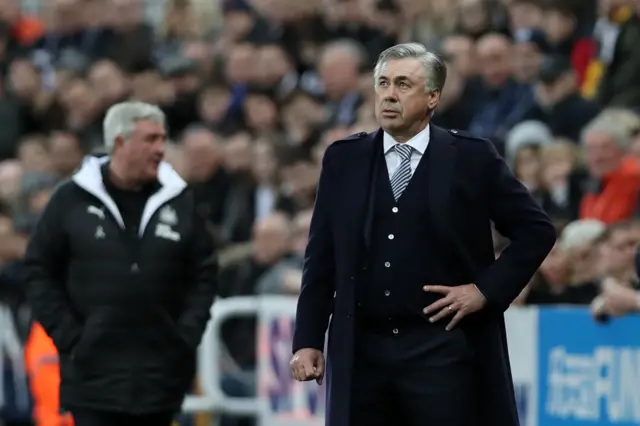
(159, 146)
(391, 97)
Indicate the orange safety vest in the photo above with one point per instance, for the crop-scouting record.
(41, 360)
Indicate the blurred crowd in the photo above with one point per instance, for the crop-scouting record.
(255, 90)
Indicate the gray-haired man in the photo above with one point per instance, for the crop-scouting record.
(400, 257)
(121, 276)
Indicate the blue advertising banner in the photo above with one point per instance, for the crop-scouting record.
(589, 373)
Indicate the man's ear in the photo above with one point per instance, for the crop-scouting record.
(434, 98)
(118, 142)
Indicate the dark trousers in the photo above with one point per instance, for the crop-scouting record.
(89, 417)
(398, 384)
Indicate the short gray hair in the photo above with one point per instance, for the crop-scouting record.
(434, 67)
(607, 125)
(121, 119)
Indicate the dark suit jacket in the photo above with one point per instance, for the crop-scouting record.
(469, 186)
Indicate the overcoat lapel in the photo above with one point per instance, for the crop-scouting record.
(441, 168)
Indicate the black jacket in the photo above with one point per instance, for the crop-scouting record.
(125, 311)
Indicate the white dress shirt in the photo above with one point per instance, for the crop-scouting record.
(419, 144)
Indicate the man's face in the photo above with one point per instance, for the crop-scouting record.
(402, 102)
(602, 154)
(495, 59)
(273, 63)
(338, 71)
(461, 51)
(108, 81)
(619, 251)
(557, 26)
(524, 16)
(270, 240)
(144, 150)
(202, 154)
(66, 154)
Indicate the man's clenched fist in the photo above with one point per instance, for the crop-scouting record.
(308, 364)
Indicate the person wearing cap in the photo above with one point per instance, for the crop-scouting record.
(557, 99)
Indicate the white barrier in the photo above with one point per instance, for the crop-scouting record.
(567, 370)
(280, 400)
(210, 357)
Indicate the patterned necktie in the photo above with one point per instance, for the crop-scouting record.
(402, 176)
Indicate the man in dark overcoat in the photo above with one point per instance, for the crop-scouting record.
(400, 258)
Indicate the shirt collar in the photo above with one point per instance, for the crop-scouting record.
(419, 142)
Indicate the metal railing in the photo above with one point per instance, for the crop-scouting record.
(213, 399)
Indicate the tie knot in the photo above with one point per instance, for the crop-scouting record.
(404, 151)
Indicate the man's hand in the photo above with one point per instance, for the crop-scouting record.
(458, 301)
(615, 300)
(308, 364)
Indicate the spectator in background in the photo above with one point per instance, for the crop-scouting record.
(581, 243)
(565, 36)
(338, 68)
(475, 18)
(618, 253)
(428, 20)
(66, 153)
(619, 287)
(530, 47)
(459, 50)
(24, 29)
(109, 83)
(130, 41)
(612, 194)
(561, 176)
(302, 117)
(525, 15)
(620, 84)
(611, 16)
(286, 276)
(557, 100)
(203, 158)
(271, 245)
(71, 30)
(33, 153)
(567, 275)
(522, 146)
(503, 102)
